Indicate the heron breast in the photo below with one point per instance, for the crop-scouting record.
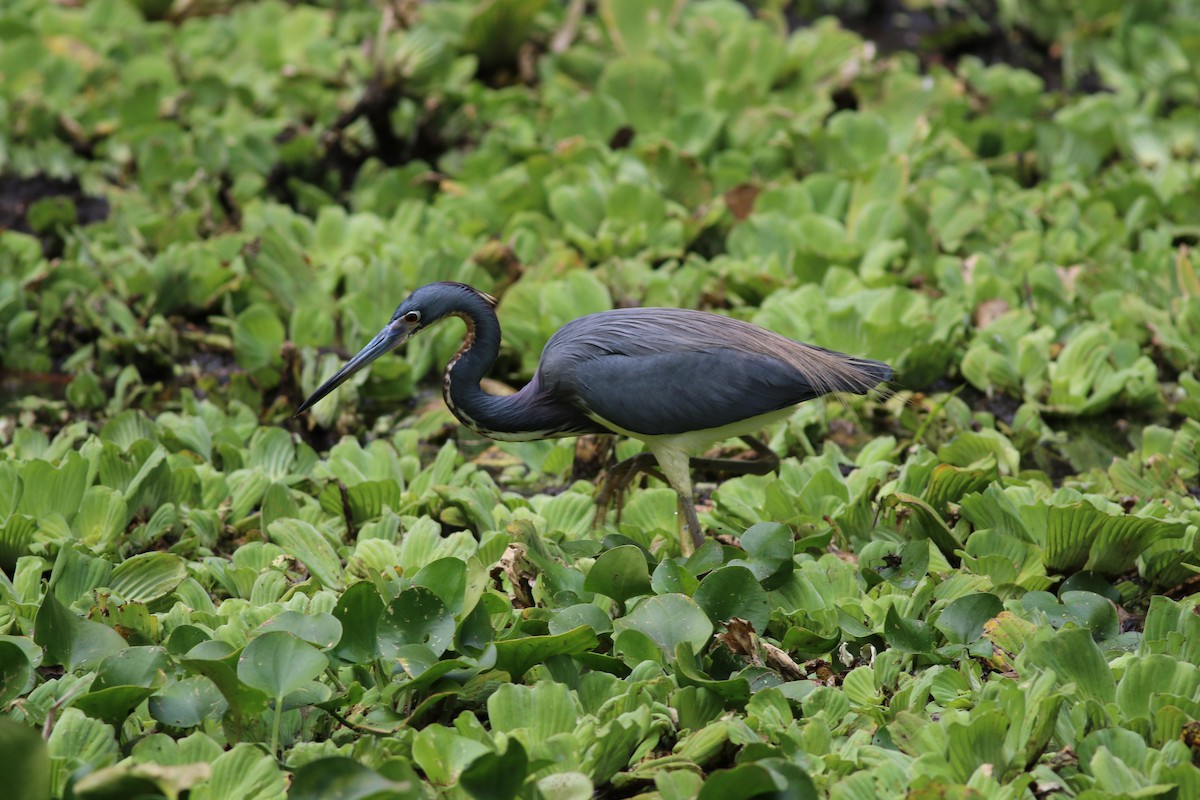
(468, 341)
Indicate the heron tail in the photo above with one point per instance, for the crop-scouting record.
(829, 371)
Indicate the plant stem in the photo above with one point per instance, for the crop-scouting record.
(933, 412)
(275, 725)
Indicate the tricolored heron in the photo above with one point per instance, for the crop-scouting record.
(678, 380)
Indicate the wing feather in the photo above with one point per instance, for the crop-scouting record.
(665, 371)
(681, 392)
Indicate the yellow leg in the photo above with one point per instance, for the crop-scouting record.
(676, 468)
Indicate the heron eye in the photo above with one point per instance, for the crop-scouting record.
(412, 316)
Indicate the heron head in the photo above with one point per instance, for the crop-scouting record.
(419, 310)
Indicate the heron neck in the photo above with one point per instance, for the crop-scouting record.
(460, 386)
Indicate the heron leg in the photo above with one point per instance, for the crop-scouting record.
(676, 467)
(688, 507)
(612, 492)
(678, 476)
(766, 463)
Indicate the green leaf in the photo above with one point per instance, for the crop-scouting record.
(102, 517)
(670, 578)
(258, 336)
(302, 540)
(415, 616)
(447, 578)
(696, 706)
(619, 573)
(688, 672)
(979, 742)
(907, 635)
(973, 449)
(369, 499)
(16, 671)
(1075, 658)
(1172, 628)
(1153, 676)
(80, 741)
(925, 523)
(147, 577)
(1080, 536)
(677, 784)
(218, 662)
(359, 610)
(877, 559)
(667, 620)
(572, 617)
(516, 656)
(245, 772)
(70, 640)
(544, 709)
(278, 663)
(273, 452)
(856, 139)
(769, 547)
(1089, 582)
(734, 591)
(566, 786)
(642, 86)
(442, 754)
(346, 779)
(320, 630)
(277, 503)
(1086, 609)
(134, 779)
(26, 760)
(16, 535)
(634, 26)
(123, 680)
(497, 776)
(187, 703)
(76, 573)
(772, 778)
(49, 489)
(962, 621)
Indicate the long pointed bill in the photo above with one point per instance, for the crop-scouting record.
(388, 339)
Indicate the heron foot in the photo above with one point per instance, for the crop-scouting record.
(766, 463)
(619, 478)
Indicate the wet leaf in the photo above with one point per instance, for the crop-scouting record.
(311, 548)
(769, 547)
(321, 630)
(620, 573)
(148, 577)
(337, 776)
(29, 775)
(495, 776)
(278, 663)
(187, 703)
(668, 620)
(516, 656)
(70, 640)
(963, 620)
(416, 616)
(733, 591)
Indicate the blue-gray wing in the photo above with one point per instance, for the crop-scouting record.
(667, 370)
(686, 391)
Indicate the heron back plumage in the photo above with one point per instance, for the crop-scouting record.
(660, 371)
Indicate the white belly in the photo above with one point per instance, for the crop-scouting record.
(673, 450)
(693, 443)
